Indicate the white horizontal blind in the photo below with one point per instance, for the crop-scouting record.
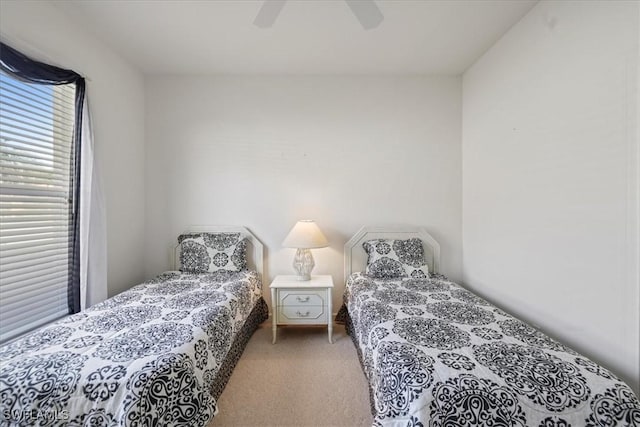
(36, 131)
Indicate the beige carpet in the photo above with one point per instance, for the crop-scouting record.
(302, 380)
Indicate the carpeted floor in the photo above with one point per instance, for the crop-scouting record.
(302, 380)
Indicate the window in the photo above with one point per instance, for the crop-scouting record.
(37, 202)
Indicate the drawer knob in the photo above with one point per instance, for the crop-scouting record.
(305, 299)
(303, 315)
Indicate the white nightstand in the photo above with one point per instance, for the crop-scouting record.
(298, 302)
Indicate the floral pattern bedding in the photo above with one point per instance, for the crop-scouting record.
(436, 354)
(145, 357)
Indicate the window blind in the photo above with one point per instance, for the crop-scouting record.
(36, 158)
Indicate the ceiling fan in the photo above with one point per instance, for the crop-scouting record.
(366, 11)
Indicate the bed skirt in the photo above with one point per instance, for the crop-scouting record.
(259, 314)
(343, 318)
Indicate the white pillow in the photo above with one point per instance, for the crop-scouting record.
(391, 258)
(211, 252)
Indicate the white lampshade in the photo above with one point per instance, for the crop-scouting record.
(305, 234)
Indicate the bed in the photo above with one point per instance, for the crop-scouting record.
(436, 354)
(158, 354)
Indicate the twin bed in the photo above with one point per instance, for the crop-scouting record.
(434, 353)
(158, 354)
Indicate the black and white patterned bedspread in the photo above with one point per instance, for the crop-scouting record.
(145, 357)
(436, 354)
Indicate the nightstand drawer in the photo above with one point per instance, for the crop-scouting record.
(299, 314)
(301, 298)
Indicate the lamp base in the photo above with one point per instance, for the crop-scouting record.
(303, 264)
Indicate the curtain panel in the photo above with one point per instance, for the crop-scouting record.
(26, 69)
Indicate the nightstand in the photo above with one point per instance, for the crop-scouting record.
(296, 302)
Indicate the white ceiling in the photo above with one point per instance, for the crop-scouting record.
(309, 37)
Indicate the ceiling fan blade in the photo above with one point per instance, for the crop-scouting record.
(367, 12)
(268, 13)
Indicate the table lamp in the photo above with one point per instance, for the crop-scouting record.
(303, 236)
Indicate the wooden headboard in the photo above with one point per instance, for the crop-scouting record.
(355, 257)
(255, 249)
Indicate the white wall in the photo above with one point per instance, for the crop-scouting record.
(550, 176)
(267, 151)
(116, 94)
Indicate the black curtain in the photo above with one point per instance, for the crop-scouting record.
(26, 69)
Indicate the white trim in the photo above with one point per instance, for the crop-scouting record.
(93, 233)
(255, 249)
(355, 257)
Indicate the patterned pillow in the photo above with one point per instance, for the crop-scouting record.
(395, 258)
(211, 252)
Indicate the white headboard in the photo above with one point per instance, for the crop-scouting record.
(255, 249)
(355, 257)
